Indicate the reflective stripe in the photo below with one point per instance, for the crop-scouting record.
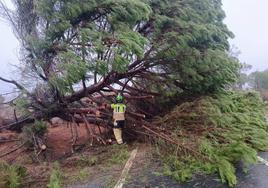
(119, 108)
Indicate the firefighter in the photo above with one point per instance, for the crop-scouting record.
(119, 109)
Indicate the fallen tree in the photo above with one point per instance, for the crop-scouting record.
(81, 54)
(78, 55)
(72, 50)
(211, 134)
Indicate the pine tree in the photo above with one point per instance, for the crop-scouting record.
(77, 48)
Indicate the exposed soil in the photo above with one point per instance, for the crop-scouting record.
(59, 139)
(8, 142)
(59, 148)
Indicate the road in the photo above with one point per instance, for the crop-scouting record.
(142, 176)
(256, 177)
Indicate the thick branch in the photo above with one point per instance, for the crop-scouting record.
(13, 150)
(108, 80)
(15, 83)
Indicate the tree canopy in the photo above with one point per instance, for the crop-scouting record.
(77, 48)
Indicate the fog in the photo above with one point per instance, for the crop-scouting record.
(247, 19)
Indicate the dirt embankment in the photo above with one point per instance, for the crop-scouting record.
(58, 139)
(60, 147)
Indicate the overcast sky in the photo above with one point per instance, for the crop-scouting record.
(247, 19)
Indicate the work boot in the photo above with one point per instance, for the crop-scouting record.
(118, 135)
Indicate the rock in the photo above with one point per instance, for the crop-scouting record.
(56, 121)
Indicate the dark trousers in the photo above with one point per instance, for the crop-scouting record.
(119, 124)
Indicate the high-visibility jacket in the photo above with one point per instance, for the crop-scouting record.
(119, 111)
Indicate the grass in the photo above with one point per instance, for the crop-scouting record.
(87, 160)
(83, 174)
(111, 183)
(82, 165)
(102, 162)
(56, 177)
(11, 176)
(119, 154)
(77, 175)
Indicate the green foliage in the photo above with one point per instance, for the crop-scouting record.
(38, 128)
(83, 174)
(183, 169)
(11, 176)
(31, 132)
(73, 71)
(124, 14)
(215, 133)
(55, 177)
(195, 56)
(69, 41)
(212, 73)
(21, 104)
(132, 43)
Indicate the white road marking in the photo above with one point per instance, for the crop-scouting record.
(263, 160)
(126, 169)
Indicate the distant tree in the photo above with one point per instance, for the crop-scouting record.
(259, 80)
(244, 77)
(244, 69)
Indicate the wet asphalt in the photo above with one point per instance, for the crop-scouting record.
(256, 177)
